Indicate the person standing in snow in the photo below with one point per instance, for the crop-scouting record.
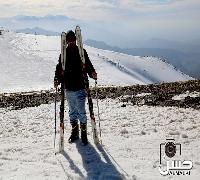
(74, 86)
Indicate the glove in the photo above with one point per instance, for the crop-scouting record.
(94, 75)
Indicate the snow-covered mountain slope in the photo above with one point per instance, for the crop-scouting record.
(28, 63)
(123, 69)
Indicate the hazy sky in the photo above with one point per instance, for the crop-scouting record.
(170, 19)
(101, 9)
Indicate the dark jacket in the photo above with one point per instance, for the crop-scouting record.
(73, 76)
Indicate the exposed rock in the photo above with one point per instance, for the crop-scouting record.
(158, 95)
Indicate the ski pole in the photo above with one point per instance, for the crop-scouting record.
(98, 108)
(55, 98)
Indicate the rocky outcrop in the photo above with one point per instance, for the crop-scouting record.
(158, 95)
(26, 99)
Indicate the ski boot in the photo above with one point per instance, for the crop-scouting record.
(84, 133)
(75, 132)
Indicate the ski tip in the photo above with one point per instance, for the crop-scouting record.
(63, 33)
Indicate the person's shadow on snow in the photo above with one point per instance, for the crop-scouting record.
(97, 163)
(72, 166)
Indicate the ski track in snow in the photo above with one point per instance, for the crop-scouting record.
(131, 137)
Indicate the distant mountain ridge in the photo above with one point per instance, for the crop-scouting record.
(38, 31)
(36, 18)
(50, 23)
(186, 62)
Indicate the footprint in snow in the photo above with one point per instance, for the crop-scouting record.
(184, 136)
(174, 133)
(124, 131)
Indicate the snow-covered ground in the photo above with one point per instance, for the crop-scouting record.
(186, 94)
(28, 63)
(131, 137)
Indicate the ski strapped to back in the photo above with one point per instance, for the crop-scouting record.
(63, 60)
(90, 103)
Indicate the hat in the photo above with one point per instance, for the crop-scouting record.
(70, 35)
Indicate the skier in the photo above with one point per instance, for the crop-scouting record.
(74, 86)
